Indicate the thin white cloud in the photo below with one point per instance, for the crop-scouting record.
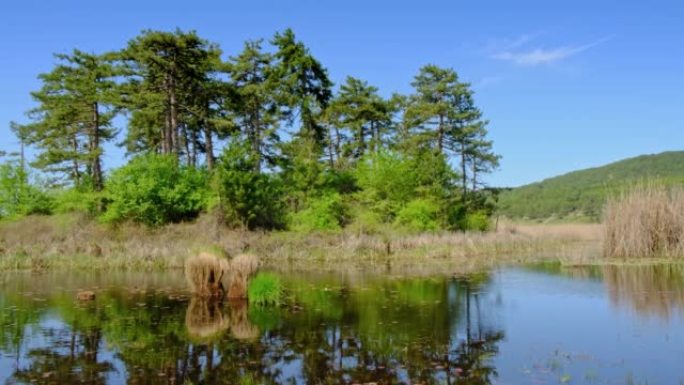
(537, 56)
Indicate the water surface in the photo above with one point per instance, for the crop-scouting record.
(533, 325)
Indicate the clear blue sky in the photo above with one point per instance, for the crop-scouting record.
(565, 84)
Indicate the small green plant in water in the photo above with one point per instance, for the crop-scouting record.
(265, 289)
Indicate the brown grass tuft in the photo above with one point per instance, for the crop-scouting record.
(647, 221)
(204, 273)
(240, 269)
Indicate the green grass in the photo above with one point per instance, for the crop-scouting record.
(580, 196)
(265, 289)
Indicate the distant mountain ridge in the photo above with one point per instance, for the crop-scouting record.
(581, 194)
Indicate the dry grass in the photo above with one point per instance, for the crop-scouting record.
(647, 221)
(204, 273)
(241, 268)
(76, 242)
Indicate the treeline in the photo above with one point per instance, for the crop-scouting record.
(261, 139)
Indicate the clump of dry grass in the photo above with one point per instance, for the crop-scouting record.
(240, 269)
(204, 273)
(647, 221)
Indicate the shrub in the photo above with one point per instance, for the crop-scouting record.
(476, 221)
(75, 201)
(645, 222)
(327, 212)
(265, 289)
(18, 197)
(247, 197)
(419, 215)
(155, 190)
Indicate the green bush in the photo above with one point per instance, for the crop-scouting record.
(247, 197)
(265, 289)
(154, 189)
(476, 221)
(18, 197)
(75, 201)
(419, 215)
(327, 212)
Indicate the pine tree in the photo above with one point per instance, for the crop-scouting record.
(74, 117)
(364, 115)
(166, 76)
(304, 87)
(255, 107)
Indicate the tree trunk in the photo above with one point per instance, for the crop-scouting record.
(96, 167)
(440, 133)
(208, 141)
(175, 142)
(75, 167)
(331, 157)
(463, 172)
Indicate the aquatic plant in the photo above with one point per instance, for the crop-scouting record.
(265, 289)
(204, 272)
(240, 269)
(646, 221)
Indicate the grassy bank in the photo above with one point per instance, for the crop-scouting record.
(77, 242)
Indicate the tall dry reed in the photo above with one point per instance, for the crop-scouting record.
(647, 221)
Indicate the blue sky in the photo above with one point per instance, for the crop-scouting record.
(565, 84)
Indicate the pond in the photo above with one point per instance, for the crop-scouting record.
(539, 324)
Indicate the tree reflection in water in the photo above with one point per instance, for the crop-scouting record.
(389, 331)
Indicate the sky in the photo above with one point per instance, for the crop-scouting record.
(564, 84)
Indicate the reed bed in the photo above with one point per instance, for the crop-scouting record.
(647, 221)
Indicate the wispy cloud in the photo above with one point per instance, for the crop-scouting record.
(536, 56)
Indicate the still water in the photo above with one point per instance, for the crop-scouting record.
(527, 325)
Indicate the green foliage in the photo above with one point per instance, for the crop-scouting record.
(327, 212)
(387, 181)
(246, 197)
(154, 190)
(419, 215)
(18, 197)
(75, 200)
(295, 153)
(476, 221)
(265, 289)
(582, 194)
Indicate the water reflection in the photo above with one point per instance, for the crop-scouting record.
(649, 290)
(333, 331)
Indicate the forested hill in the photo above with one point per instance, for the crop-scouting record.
(582, 193)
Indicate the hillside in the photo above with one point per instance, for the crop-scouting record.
(581, 194)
